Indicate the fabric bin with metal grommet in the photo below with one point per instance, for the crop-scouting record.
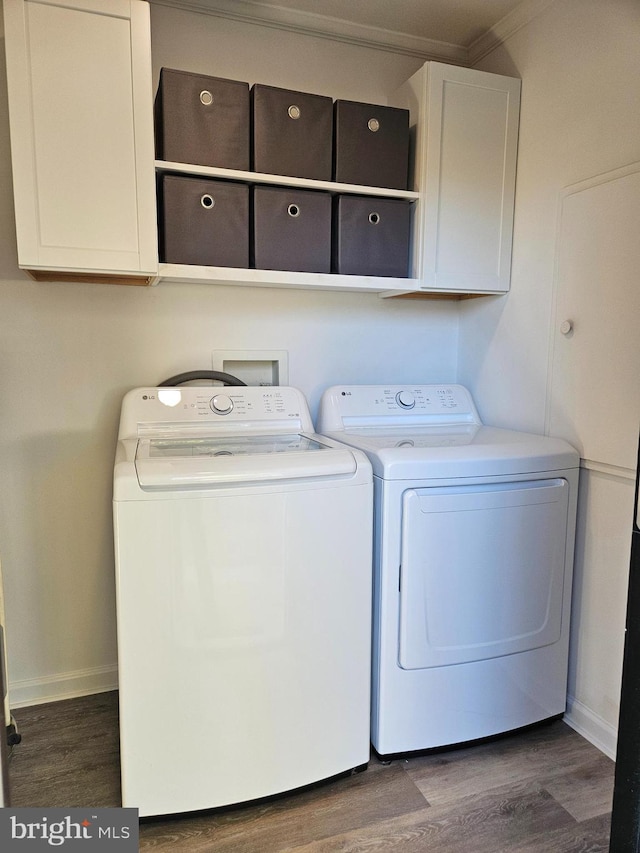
(202, 120)
(291, 229)
(371, 145)
(371, 236)
(292, 133)
(203, 222)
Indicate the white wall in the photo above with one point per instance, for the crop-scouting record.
(256, 54)
(68, 352)
(580, 117)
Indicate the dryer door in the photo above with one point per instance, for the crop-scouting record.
(482, 570)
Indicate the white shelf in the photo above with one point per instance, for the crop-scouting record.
(281, 180)
(277, 278)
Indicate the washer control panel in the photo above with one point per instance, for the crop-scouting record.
(237, 407)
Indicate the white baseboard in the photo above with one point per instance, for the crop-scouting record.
(64, 685)
(591, 726)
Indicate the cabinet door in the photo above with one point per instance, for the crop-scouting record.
(465, 124)
(80, 95)
(594, 395)
(469, 185)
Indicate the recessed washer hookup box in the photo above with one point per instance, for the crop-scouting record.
(203, 222)
(202, 120)
(292, 133)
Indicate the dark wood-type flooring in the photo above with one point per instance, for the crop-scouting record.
(546, 790)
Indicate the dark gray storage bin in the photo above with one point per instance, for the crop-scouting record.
(371, 145)
(202, 120)
(371, 236)
(292, 133)
(203, 222)
(291, 229)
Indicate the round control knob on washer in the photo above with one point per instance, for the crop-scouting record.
(221, 404)
(405, 399)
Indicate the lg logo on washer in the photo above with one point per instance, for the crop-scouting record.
(168, 396)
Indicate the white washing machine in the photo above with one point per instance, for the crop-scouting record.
(474, 532)
(243, 568)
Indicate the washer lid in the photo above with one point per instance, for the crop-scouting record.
(174, 462)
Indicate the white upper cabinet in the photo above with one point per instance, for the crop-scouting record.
(466, 136)
(80, 105)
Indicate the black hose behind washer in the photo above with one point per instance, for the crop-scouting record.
(218, 375)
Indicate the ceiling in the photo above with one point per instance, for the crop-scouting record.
(457, 22)
(458, 31)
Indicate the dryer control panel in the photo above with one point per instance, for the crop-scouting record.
(361, 405)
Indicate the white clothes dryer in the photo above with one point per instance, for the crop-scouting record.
(473, 556)
(243, 567)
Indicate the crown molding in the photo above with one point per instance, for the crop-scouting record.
(508, 26)
(336, 29)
